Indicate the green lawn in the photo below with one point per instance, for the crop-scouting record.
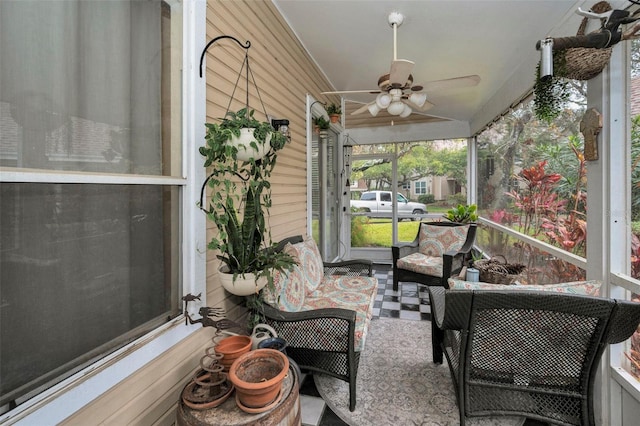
(377, 232)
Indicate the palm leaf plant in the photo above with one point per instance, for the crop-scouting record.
(241, 197)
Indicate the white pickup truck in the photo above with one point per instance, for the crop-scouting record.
(378, 204)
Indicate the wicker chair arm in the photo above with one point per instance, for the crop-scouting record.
(450, 309)
(300, 329)
(623, 322)
(404, 249)
(352, 267)
(437, 301)
(278, 315)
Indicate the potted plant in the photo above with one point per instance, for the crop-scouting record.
(257, 377)
(334, 112)
(462, 214)
(240, 201)
(250, 137)
(550, 95)
(321, 123)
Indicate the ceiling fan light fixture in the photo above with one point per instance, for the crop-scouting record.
(395, 108)
(406, 111)
(373, 109)
(396, 94)
(418, 99)
(383, 100)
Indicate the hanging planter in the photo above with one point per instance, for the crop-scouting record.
(550, 95)
(248, 137)
(247, 145)
(334, 112)
(240, 154)
(241, 285)
(579, 63)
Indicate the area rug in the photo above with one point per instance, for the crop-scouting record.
(398, 383)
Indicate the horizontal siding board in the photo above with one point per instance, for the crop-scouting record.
(131, 399)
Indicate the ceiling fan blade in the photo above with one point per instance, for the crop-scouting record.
(449, 83)
(351, 91)
(426, 106)
(400, 71)
(362, 109)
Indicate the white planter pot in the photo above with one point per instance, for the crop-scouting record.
(242, 286)
(245, 150)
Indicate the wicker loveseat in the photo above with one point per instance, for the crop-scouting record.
(528, 353)
(322, 310)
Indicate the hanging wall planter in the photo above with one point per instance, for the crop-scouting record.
(240, 154)
(247, 145)
(241, 285)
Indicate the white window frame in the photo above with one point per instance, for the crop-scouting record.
(69, 396)
(621, 284)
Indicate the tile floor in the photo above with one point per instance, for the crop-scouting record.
(411, 302)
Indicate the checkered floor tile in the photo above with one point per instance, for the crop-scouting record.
(410, 302)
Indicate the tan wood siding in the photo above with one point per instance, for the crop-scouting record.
(284, 74)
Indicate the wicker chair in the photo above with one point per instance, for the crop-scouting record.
(335, 357)
(532, 353)
(448, 264)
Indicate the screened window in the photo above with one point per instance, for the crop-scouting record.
(532, 178)
(421, 188)
(89, 241)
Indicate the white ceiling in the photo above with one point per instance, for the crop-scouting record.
(352, 42)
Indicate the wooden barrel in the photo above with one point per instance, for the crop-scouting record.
(285, 413)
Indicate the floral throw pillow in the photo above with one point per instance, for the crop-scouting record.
(436, 240)
(288, 293)
(307, 255)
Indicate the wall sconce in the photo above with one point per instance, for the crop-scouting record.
(282, 126)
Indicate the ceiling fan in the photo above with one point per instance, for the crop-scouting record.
(396, 92)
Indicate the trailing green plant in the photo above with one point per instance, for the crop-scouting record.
(334, 109)
(551, 94)
(241, 197)
(232, 123)
(321, 122)
(462, 213)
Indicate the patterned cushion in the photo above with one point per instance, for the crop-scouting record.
(289, 290)
(436, 240)
(360, 283)
(360, 302)
(422, 264)
(307, 255)
(590, 288)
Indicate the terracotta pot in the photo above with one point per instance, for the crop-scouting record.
(232, 348)
(334, 118)
(257, 377)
